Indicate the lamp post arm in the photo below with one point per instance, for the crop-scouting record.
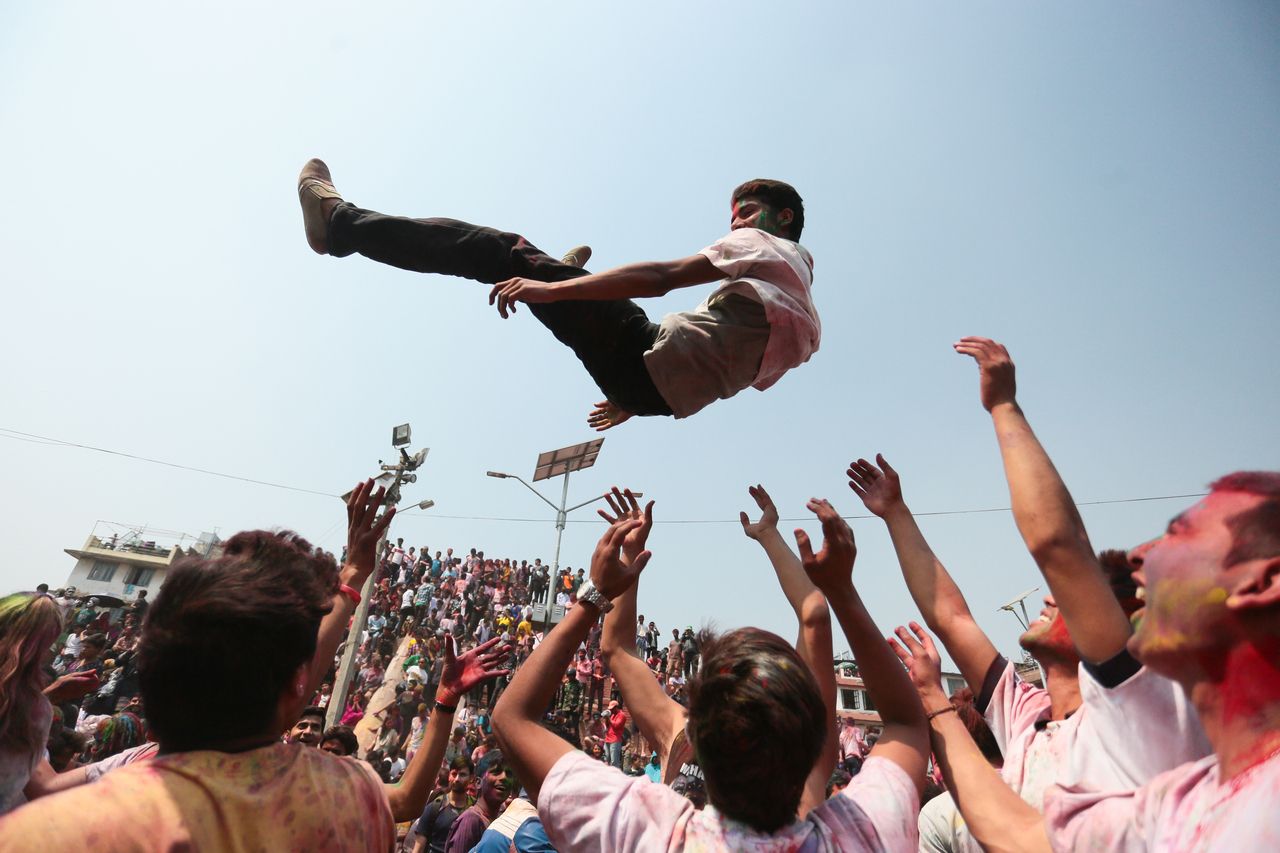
(597, 498)
(541, 497)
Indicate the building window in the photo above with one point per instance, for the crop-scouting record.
(867, 704)
(848, 699)
(138, 576)
(102, 571)
(954, 685)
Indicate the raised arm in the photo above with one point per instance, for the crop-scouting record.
(633, 281)
(996, 816)
(814, 620)
(1046, 516)
(364, 529)
(904, 741)
(935, 593)
(658, 716)
(461, 674)
(517, 719)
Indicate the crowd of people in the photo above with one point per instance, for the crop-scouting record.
(214, 717)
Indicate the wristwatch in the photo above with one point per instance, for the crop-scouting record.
(588, 593)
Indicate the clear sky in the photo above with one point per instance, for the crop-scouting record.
(1095, 184)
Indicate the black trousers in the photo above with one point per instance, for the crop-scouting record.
(609, 337)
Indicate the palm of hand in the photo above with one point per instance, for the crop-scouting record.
(464, 673)
(881, 495)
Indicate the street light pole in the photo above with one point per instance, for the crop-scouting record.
(397, 474)
(562, 515)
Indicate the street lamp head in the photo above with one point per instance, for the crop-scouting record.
(427, 504)
(497, 474)
(400, 435)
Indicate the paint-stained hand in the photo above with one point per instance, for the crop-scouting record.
(830, 569)
(507, 293)
(72, 687)
(470, 669)
(997, 385)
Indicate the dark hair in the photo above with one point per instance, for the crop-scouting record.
(778, 196)
(977, 726)
(1119, 572)
(1255, 533)
(225, 635)
(343, 735)
(312, 711)
(753, 694)
(462, 762)
(838, 779)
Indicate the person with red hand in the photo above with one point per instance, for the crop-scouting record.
(460, 674)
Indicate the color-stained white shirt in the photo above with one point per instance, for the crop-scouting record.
(721, 347)
(1187, 810)
(1111, 743)
(588, 806)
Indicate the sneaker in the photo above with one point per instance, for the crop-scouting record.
(315, 186)
(577, 256)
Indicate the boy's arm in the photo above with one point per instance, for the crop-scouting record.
(409, 796)
(658, 716)
(517, 719)
(814, 640)
(940, 601)
(905, 740)
(996, 816)
(1046, 516)
(633, 281)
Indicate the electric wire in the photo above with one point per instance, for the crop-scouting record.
(17, 435)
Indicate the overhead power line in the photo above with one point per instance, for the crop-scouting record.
(17, 435)
(44, 439)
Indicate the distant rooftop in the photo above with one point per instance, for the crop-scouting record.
(138, 540)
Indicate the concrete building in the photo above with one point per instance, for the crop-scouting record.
(121, 565)
(852, 699)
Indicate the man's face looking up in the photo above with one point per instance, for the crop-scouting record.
(753, 213)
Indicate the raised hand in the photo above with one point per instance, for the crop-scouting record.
(507, 293)
(997, 384)
(768, 514)
(923, 663)
(832, 567)
(365, 527)
(72, 686)
(607, 415)
(463, 672)
(879, 488)
(625, 507)
(610, 574)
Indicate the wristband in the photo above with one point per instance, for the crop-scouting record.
(349, 592)
(932, 714)
(448, 709)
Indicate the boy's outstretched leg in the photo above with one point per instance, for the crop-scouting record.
(445, 246)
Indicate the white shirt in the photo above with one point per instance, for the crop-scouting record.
(720, 348)
(586, 805)
(1187, 810)
(1108, 744)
